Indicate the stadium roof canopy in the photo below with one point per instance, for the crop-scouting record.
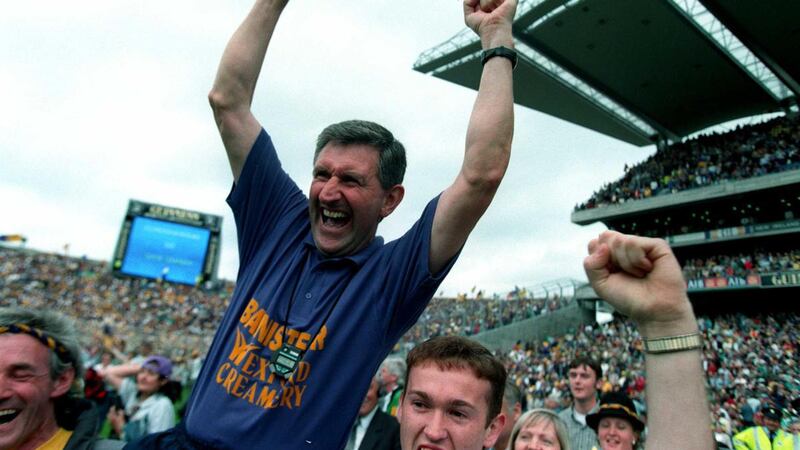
(643, 70)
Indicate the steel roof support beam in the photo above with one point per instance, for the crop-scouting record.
(583, 79)
(717, 33)
(748, 40)
(467, 38)
(601, 101)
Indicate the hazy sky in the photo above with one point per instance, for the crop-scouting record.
(106, 101)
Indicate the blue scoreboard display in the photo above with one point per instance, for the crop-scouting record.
(169, 244)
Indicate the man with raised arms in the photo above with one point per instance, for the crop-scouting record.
(320, 300)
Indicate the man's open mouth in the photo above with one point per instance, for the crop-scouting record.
(7, 415)
(334, 218)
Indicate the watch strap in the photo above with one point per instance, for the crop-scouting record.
(671, 344)
(503, 52)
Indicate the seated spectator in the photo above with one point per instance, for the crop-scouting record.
(147, 409)
(40, 362)
(539, 429)
(741, 265)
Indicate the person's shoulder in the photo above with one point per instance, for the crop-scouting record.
(389, 419)
(162, 400)
(385, 425)
(127, 389)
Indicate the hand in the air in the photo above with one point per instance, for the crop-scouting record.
(490, 19)
(641, 278)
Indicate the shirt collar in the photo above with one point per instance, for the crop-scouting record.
(358, 258)
(365, 420)
(574, 414)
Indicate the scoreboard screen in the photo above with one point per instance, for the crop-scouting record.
(170, 244)
(171, 251)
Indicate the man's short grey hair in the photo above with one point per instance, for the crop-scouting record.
(512, 395)
(59, 327)
(391, 153)
(396, 366)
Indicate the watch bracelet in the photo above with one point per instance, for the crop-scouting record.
(671, 344)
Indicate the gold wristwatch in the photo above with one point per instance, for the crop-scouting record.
(672, 344)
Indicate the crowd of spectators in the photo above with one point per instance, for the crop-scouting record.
(748, 360)
(118, 313)
(448, 316)
(741, 265)
(746, 152)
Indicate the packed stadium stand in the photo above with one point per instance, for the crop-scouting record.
(121, 311)
(737, 233)
(716, 158)
(118, 312)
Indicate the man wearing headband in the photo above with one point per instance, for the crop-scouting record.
(40, 406)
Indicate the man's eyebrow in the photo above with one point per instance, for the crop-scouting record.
(353, 174)
(456, 403)
(21, 366)
(461, 404)
(421, 394)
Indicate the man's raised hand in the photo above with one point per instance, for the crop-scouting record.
(491, 20)
(641, 278)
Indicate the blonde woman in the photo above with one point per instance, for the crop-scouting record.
(539, 429)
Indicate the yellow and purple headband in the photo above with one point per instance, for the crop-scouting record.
(50, 342)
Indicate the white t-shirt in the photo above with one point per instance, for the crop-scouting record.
(151, 415)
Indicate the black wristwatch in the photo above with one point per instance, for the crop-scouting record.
(503, 52)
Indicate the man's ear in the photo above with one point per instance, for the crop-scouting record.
(517, 411)
(393, 197)
(399, 416)
(494, 429)
(62, 383)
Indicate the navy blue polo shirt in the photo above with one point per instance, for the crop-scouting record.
(369, 299)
